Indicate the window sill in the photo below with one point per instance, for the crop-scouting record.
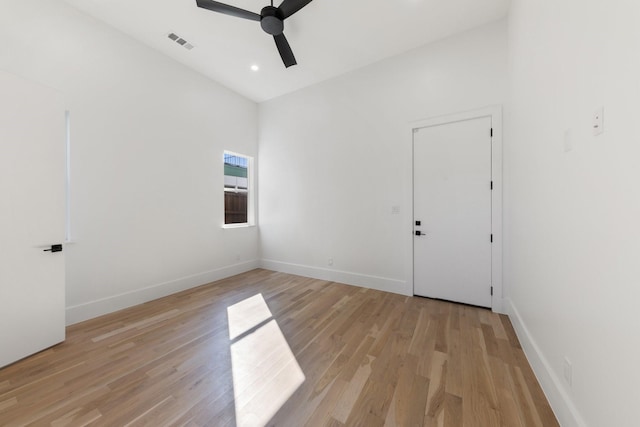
(244, 225)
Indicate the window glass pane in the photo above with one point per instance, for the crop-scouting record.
(236, 188)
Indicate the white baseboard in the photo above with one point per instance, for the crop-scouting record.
(89, 310)
(372, 282)
(561, 403)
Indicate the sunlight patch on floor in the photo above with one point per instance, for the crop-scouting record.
(247, 314)
(265, 371)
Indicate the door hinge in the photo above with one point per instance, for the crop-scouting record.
(492, 238)
(491, 132)
(492, 291)
(492, 185)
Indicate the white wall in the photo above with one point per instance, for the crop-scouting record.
(147, 142)
(572, 229)
(336, 157)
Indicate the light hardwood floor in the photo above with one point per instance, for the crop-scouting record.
(266, 348)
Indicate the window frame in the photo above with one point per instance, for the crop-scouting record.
(251, 215)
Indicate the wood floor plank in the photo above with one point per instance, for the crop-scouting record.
(399, 411)
(323, 354)
(509, 416)
(452, 411)
(354, 387)
(437, 386)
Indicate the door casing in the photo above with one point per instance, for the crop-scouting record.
(495, 113)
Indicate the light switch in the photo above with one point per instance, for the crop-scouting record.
(598, 121)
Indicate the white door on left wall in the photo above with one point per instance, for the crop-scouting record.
(32, 218)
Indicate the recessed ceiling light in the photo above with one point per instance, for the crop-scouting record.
(255, 68)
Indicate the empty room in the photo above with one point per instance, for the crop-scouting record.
(319, 213)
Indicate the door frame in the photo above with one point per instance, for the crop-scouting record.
(495, 113)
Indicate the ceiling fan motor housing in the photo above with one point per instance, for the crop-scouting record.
(271, 21)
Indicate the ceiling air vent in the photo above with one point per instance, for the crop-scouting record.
(182, 42)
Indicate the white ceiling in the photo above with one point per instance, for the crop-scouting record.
(328, 37)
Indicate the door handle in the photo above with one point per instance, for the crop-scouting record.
(54, 248)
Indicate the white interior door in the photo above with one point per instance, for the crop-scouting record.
(452, 205)
(32, 218)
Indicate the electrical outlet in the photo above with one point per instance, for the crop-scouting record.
(330, 262)
(568, 371)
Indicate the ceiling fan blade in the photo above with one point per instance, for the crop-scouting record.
(227, 10)
(285, 50)
(289, 7)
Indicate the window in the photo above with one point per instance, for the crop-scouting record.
(238, 205)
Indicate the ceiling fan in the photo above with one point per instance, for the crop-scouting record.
(271, 20)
